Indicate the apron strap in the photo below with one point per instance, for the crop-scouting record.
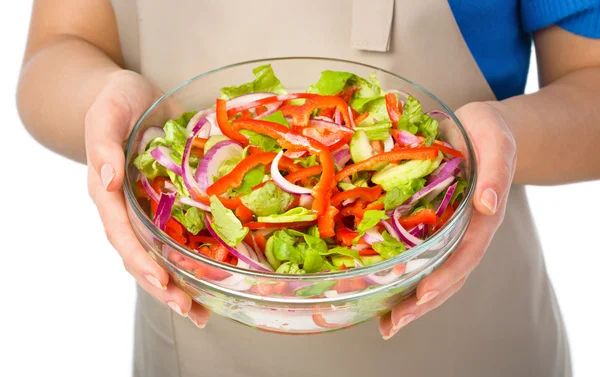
(372, 24)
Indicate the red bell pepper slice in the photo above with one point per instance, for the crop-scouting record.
(223, 122)
(265, 101)
(369, 194)
(367, 252)
(199, 142)
(288, 140)
(304, 173)
(258, 225)
(393, 156)
(425, 216)
(301, 114)
(361, 117)
(443, 219)
(391, 104)
(344, 236)
(243, 213)
(235, 177)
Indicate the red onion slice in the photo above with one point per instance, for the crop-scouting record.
(148, 187)
(376, 279)
(296, 154)
(329, 126)
(416, 230)
(438, 185)
(341, 157)
(188, 178)
(433, 113)
(446, 200)
(446, 169)
(199, 116)
(407, 138)
(402, 233)
(372, 235)
(150, 134)
(162, 154)
(337, 116)
(388, 144)
(163, 211)
(238, 254)
(283, 183)
(212, 160)
(192, 203)
(352, 124)
(306, 201)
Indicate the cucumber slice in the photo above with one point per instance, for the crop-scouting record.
(371, 259)
(341, 260)
(400, 175)
(360, 146)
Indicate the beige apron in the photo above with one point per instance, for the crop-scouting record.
(504, 322)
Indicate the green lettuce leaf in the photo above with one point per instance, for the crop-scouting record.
(307, 161)
(226, 167)
(175, 136)
(369, 220)
(149, 166)
(460, 188)
(377, 131)
(276, 117)
(268, 200)
(293, 215)
(265, 81)
(342, 250)
(192, 219)
(414, 120)
(177, 181)
(389, 247)
(283, 246)
(226, 224)
(251, 179)
(266, 143)
(289, 268)
(400, 194)
(316, 289)
(331, 83)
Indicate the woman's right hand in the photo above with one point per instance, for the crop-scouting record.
(108, 123)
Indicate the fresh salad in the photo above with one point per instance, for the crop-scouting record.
(340, 176)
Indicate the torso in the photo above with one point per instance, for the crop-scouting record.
(504, 322)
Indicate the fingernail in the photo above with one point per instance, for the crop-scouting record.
(107, 173)
(198, 324)
(173, 305)
(155, 282)
(428, 297)
(489, 199)
(403, 322)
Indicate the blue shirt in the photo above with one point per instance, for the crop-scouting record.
(498, 33)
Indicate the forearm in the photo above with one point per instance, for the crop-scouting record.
(557, 130)
(57, 86)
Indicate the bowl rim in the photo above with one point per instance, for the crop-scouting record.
(352, 272)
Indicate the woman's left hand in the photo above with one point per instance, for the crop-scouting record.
(495, 148)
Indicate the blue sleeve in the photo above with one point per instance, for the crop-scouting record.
(580, 17)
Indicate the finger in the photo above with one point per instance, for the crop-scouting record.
(199, 315)
(111, 207)
(110, 120)
(408, 310)
(174, 297)
(495, 148)
(463, 260)
(106, 128)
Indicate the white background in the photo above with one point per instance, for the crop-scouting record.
(67, 303)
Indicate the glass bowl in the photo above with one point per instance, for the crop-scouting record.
(295, 304)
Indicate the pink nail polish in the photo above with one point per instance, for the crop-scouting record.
(107, 174)
(428, 297)
(489, 199)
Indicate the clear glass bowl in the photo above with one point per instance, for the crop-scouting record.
(295, 304)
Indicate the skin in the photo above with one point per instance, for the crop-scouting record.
(73, 52)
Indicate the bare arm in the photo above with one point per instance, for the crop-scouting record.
(557, 129)
(72, 50)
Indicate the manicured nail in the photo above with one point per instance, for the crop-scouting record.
(401, 323)
(155, 282)
(198, 324)
(428, 297)
(107, 173)
(173, 305)
(489, 199)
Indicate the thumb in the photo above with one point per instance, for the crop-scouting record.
(108, 123)
(495, 148)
